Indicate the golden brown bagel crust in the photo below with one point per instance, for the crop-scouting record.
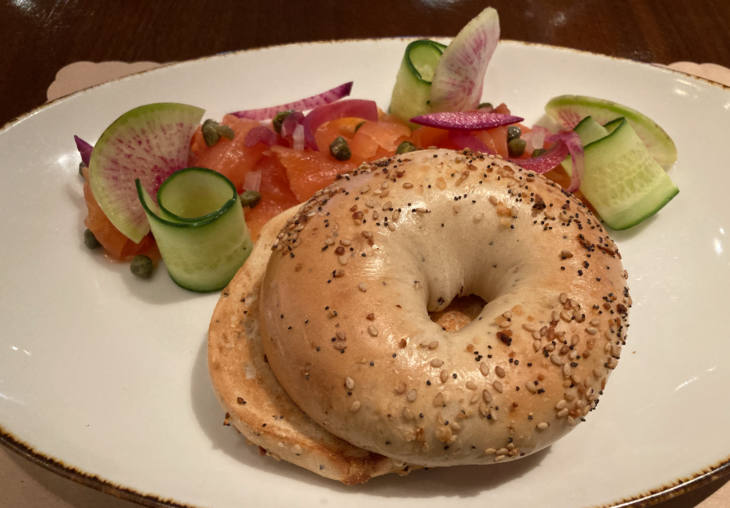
(345, 299)
(253, 399)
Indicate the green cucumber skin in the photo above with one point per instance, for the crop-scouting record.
(198, 267)
(612, 125)
(410, 96)
(658, 142)
(589, 130)
(622, 207)
(411, 93)
(201, 255)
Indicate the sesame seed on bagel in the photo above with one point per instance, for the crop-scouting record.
(353, 275)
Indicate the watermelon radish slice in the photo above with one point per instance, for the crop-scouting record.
(569, 110)
(148, 143)
(459, 76)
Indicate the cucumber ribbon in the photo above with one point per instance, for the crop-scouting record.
(199, 227)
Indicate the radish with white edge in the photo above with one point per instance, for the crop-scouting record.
(148, 143)
(459, 76)
(570, 110)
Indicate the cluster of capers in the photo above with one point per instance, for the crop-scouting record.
(213, 131)
(515, 144)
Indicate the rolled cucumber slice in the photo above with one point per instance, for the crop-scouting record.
(589, 130)
(569, 110)
(412, 90)
(611, 126)
(622, 180)
(199, 228)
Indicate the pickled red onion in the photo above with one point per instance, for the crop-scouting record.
(290, 123)
(252, 181)
(566, 143)
(545, 162)
(466, 120)
(84, 149)
(260, 135)
(465, 140)
(312, 102)
(577, 156)
(353, 108)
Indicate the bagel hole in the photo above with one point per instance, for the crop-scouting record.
(460, 312)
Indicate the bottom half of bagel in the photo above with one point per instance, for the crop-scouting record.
(255, 402)
(252, 398)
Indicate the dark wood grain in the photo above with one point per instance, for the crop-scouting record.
(41, 36)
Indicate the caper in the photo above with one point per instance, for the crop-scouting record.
(516, 147)
(537, 152)
(340, 150)
(513, 132)
(406, 147)
(250, 198)
(90, 240)
(210, 132)
(485, 105)
(357, 127)
(279, 119)
(225, 131)
(142, 267)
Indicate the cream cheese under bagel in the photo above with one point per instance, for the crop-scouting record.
(352, 277)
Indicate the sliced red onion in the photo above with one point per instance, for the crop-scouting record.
(290, 123)
(527, 138)
(538, 136)
(575, 147)
(466, 120)
(353, 108)
(84, 149)
(547, 161)
(298, 140)
(260, 135)
(312, 102)
(252, 181)
(465, 140)
(459, 76)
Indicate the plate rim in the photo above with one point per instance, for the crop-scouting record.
(667, 491)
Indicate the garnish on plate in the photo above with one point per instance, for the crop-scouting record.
(277, 157)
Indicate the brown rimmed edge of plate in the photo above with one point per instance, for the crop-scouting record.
(83, 478)
(641, 500)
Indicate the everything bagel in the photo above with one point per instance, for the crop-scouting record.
(353, 275)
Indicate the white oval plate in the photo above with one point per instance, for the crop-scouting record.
(107, 375)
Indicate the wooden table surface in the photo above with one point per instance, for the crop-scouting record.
(39, 37)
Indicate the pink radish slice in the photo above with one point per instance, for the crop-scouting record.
(353, 108)
(466, 120)
(148, 144)
(312, 102)
(465, 140)
(459, 76)
(84, 149)
(260, 135)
